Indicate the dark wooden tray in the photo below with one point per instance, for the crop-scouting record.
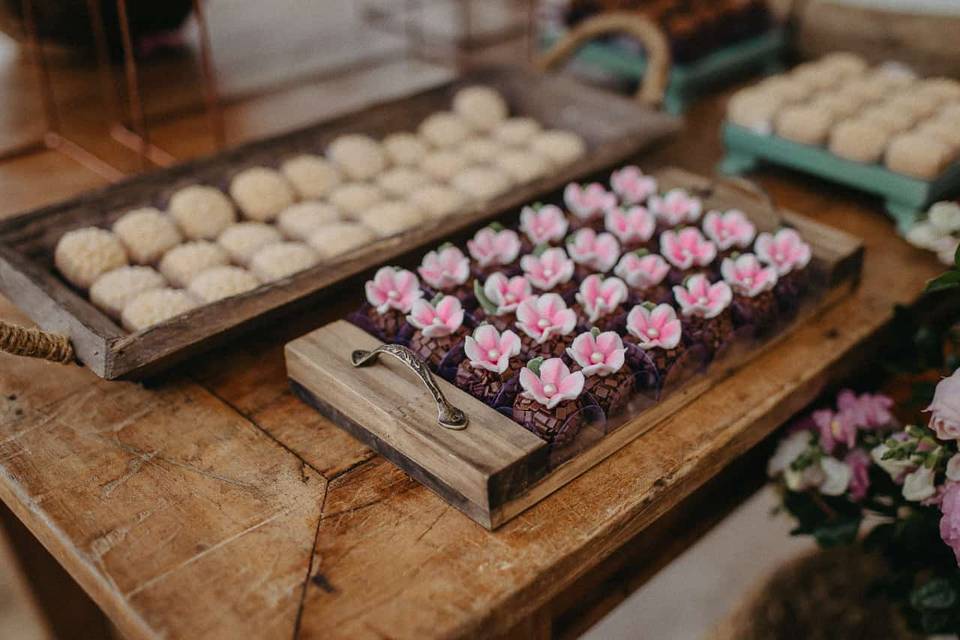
(614, 128)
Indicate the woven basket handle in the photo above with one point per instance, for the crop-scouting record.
(34, 343)
(654, 84)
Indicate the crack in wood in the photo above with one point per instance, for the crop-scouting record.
(313, 553)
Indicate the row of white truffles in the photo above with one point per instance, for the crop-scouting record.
(153, 265)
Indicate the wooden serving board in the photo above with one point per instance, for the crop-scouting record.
(614, 129)
(494, 469)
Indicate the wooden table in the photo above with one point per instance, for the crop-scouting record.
(213, 503)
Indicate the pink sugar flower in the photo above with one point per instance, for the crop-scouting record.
(834, 429)
(950, 521)
(545, 225)
(868, 410)
(545, 316)
(552, 384)
(598, 251)
(635, 224)
(506, 293)
(747, 276)
(588, 201)
(598, 355)
(632, 185)
(676, 207)
(687, 248)
(489, 349)
(393, 288)
(654, 326)
(729, 230)
(697, 297)
(445, 268)
(437, 321)
(641, 271)
(599, 296)
(785, 250)
(549, 269)
(491, 247)
(859, 462)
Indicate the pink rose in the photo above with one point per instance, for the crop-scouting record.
(945, 408)
(950, 522)
(859, 462)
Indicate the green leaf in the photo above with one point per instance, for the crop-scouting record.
(948, 280)
(838, 531)
(437, 298)
(482, 298)
(539, 249)
(956, 258)
(534, 365)
(937, 594)
(496, 226)
(594, 331)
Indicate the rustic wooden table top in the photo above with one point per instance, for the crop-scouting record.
(213, 503)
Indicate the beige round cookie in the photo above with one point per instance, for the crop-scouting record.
(336, 239)
(405, 149)
(753, 110)
(917, 155)
(815, 77)
(261, 193)
(242, 241)
(438, 201)
(944, 89)
(154, 306)
(182, 263)
(522, 166)
(517, 132)
(146, 234)
(949, 112)
(281, 260)
(804, 124)
(359, 156)
(481, 183)
(782, 90)
(83, 255)
(400, 181)
(390, 218)
(303, 218)
(444, 164)
(892, 119)
(947, 132)
(114, 289)
(201, 212)
(353, 198)
(217, 283)
(483, 107)
(444, 129)
(481, 149)
(859, 140)
(839, 105)
(866, 88)
(560, 147)
(920, 106)
(844, 61)
(891, 77)
(311, 175)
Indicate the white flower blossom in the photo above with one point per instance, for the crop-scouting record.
(788, 450)
(924, 235)
(894, 468)
(836, 476)
(918, 485)
(953, 468)
(945, 216)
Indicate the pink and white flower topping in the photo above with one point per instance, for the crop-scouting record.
(729, 230)
(687, 248)
(550, 382)
(599, 297)
(445, 268)
(632, 185)
(676, 207)
(506, 294)
(490, 246)
(945, 408)
(642, 271)
(654, 326)
(437, 321)
(747, 276)
(635, 224)
(598, 355)
(491, 350)
(545, 225)
(393, 288)
(598, 251)
(549, 269)
(544, 317)
(785, 250)
(588, 201)
(697, 297)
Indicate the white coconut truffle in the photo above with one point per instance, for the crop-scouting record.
(815, 76)
(83, 255)
(892, 119)
(844, 61)
(115, 289)
(261, 193)
(303, 218)
(311, 176)
(522, 166)
(438, 201)
(481, 150)
(339, 238)
(242, 241)
(945, 89)
(400, 181)
(917, 155)
(839, 105)
(405, 149)
(281, 260)
(359, 156)
(517, 132)
(218, 283)
(560, 147)
(869, 89)
(859, 140)
(390, 218)
(942, 130)
(154, 306)
(949, 112)
(182, 263)
(804, 124)
(353, 198)
(444, 129)
(753, 110)
(201, 212)
(443, 165)
(920, 106)
(146, 234)
(782, 90)
(483, 107)
(482, 183)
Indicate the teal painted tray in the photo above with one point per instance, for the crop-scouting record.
(904, 197)
(688, 81)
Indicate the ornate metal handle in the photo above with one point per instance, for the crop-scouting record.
(448, 415)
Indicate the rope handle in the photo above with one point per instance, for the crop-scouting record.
(654, 40)
(34, 343)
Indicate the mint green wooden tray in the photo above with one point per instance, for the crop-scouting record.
(904, 197)
(689, 81)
